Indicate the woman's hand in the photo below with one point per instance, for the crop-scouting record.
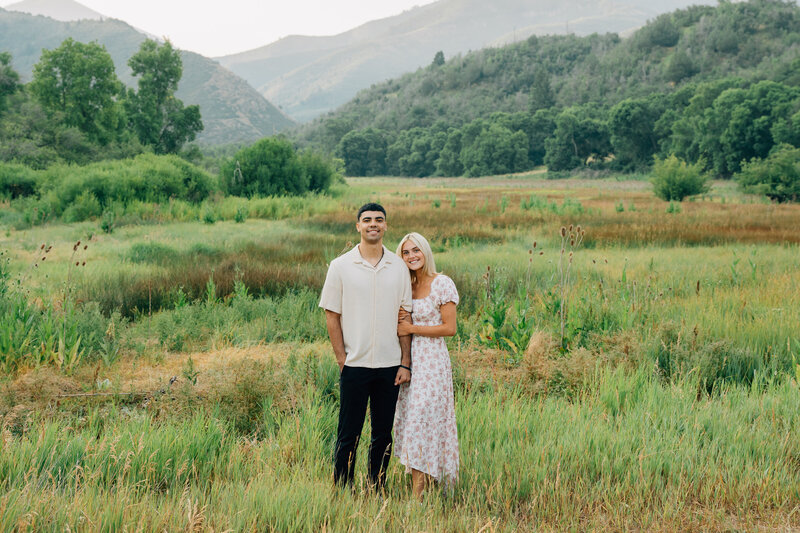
(404, 328)
(402, 315)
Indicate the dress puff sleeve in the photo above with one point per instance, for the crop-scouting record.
(445, 290)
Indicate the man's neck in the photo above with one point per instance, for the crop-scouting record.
(372, 253)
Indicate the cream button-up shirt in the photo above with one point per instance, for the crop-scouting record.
(368, 299)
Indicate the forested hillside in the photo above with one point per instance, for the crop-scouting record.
(711, 84)
(232, 110)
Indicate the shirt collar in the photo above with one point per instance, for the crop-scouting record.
(387, 257)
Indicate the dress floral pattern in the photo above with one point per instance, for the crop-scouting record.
(425, 433)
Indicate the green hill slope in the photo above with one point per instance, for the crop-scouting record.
(232, 110)
(309, 76)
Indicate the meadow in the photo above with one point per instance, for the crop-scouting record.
(620, 363)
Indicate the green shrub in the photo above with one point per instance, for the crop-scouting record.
(673, 179)
(17, 181)
(152, 252)
(145, 178)
(241, 214)
(777, 176)
(84, 207)
(273, 167)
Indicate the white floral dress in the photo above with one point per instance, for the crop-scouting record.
(425, 434)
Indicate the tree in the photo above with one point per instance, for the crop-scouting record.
(438, 59)
(363, 152)
(496, 150)
(578, 139)
(78, 82)
(542, 95)
(739, 125)
(777, 176)
(9, 79)
(449, 161)
(158, 118)
(632, 124)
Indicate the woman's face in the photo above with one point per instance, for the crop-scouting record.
(413, 256)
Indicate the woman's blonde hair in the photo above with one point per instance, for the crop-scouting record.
(429, 268)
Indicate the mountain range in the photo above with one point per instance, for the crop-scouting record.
(309, 76)
(232, 110)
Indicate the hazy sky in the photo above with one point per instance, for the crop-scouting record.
(229, 26)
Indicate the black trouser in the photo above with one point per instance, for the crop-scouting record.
(358, 385)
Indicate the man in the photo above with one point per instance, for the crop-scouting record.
(363, 292)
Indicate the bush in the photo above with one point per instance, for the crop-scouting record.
(84, 207)
(146, 178)
(272, 167)
(17, 181)
(673, 179)
(777, 176)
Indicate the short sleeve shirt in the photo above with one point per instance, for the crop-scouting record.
(368, 299)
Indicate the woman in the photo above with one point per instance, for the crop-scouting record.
(425, 435)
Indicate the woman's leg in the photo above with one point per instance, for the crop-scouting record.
(419, 482)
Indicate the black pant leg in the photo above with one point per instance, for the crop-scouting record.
(383, 400)
(353, 395)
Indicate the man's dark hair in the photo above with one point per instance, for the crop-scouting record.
(372, 206)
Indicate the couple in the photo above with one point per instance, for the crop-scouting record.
(406, 383)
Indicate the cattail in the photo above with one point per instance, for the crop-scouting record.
(563, 231)
(534, 244)
(43, 258)
(570, 227)
(606, 260)
(572, 242)
(83, 264)
(578, 229)
(530, 252)
(85, 246)
(76, 263)
(541, 253)
(594, 262)
(42, 248)
(78, 243)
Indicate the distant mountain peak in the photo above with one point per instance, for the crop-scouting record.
(61, 10)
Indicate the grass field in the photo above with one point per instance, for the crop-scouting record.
(649, 382)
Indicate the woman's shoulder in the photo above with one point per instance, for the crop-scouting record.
(442, 280)
(445, 289)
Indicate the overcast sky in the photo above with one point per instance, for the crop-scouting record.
(230, 26)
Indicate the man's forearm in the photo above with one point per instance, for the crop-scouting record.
(334, 323)
(405, 350)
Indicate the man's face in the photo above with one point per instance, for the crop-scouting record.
(371, 226)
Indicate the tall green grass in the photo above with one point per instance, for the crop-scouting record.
(628, 453)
